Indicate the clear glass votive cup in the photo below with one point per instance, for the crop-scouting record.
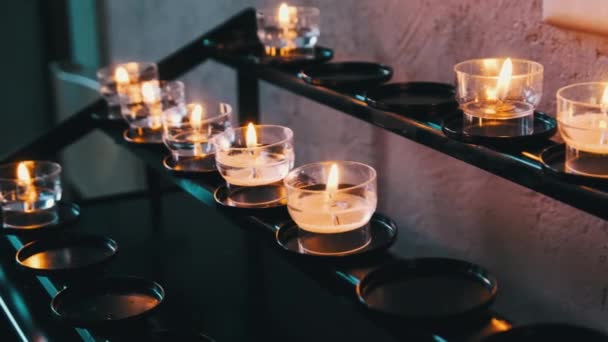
(144, 108)
(187, 134)
(582, 115)
(29, 191)
(288, 30)
(254, 167)
(109, 87)
(498, 95)
(332, 212)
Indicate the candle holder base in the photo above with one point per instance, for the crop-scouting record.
(419, 100)
(543, 128)
(39, 221)
(547, 332)
(66, 255)
(107, 302)
(190, 164)
(553, 160)
(267, 199)
(143, 135)
(296, 58)
(347, 75)
(430, 290)
(381, 234)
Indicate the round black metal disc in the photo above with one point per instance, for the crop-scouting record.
(143, 136)
(270, 208)
(544, 128)
(383, 236)
(106, 301)
(421, 100)
(553, 160)
(428, 289)
(65, 214)
(320, 55)
(553, 332)
(66, 253)
(190, 164)
(351, 75)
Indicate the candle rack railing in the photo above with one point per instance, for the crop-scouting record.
(231, 44)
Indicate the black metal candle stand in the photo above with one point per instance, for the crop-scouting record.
(347, 76)
(554, 165)
(227, 44)
(40, 222)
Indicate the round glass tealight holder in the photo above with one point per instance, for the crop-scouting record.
(254, 170)
(498, 95)
(29, 192)
(582, 114)
(143, 110)
(332, 221)
(188, 133)
(289, 30)
(109, 87)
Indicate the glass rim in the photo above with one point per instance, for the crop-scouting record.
(108, 70)
(305, 10)
(372, 177)
(560, 97)
(207, 119)
(13, 165)
(516, 76)
(288, 131)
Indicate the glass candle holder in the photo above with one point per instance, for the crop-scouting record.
(188, 133)
(29, 191)
(582, 114)
(332, 204)
(288, 30)
(112, 81)
(498, 95)
(254, 160)
(143, 110)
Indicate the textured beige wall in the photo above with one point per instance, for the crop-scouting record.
(550, 259)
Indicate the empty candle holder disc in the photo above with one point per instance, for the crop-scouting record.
(347, 75)
(382, 234)
(544, 127)
(433, 290)
(555, 332)
(40, 221)
(106, 302)
(420, 100)
(66, 253)
(553, 160)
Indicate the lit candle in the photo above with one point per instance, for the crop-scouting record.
(255, 164)
(196, 121)
(27, 191)
(493, 88)
(587, 132)
(331, 211)
(287, 15)
(151, 97)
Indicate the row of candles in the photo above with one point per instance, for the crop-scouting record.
(323, 198)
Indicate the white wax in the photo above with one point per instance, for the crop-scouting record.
(586, 132)
(343, 213)
(247, 169)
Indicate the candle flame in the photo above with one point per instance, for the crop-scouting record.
(23, 174)
(283, 14)
(604, 103)
(504, 79)
(121, 75)
(149, 92)
(251, 137)
(196, 117)
(332, 180)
